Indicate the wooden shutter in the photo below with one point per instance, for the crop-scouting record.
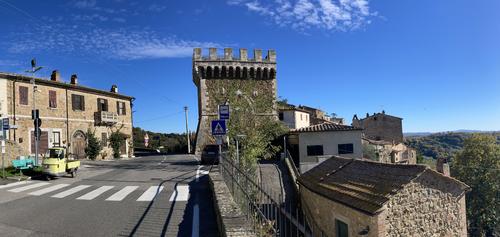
(82, 102)
(73, 102)
(52, 99)
(124, 111)
(118, 108)
(23, 95)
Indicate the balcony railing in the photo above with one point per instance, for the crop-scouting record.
(105, 117)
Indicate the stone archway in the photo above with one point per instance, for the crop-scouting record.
(78, 144)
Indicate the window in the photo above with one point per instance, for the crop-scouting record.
(300, 117)
(104, 139)
(56, 138)
(102, 104)
(341, 229)
(23, 95)
(120, 107)
(78, 102)
(52, 99)
(315, 150)
(346, 148)
(280, 115)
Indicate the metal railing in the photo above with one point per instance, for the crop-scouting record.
(269, 213)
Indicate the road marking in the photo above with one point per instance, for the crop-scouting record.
(181, 193)
(71, 191)
(195, 231)
(120, 195)
(198, 172)
(17, 190)
(48, 190)
(95, 193)
(150, 194)
(15, 184)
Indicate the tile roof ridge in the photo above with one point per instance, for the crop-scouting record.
(351, 160)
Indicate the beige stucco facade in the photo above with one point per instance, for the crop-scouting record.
(330, 141)
(62, 124)
(295, 119)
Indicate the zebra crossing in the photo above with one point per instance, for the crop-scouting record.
(85, 192)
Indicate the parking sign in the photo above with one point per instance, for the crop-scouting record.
(223, 111)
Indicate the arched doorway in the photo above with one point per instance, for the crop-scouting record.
(79, 142)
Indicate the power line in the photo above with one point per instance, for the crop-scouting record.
(161, 117)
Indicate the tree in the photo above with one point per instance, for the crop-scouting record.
(117, 140)
(370, 152)
(93, 145)
(478, 165)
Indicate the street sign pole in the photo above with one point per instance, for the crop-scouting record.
(2, 145)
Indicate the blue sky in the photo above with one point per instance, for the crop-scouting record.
(434, 63)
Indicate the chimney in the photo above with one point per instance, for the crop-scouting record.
(114, 89)
(443, 167)
(55, 76)
(74, 79)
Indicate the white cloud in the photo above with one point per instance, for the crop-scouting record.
(329, 15)
(105, 43)
(85, 4)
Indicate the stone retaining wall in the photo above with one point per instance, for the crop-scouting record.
(231, 221)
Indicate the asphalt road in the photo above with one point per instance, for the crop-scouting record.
(148, 196)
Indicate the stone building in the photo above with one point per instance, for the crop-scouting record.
(220, 78)
(351, 197)
(389, 152)
(380, 126)
(319, 116)
(294, 118)
(309, 146)
(67, 111)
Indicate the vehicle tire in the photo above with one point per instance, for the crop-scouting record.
(46, 177)
(73, 174)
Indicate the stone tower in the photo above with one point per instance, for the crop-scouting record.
(219, 78)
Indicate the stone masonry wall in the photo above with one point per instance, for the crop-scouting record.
(381, 127)
(223, 85)
(324, 212)
(427, 208)
(63, 118)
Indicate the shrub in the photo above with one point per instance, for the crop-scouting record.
(93, 145)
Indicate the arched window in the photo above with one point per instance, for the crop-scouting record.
(231, 72)
(210, 73)
(272, 74)
(245, 73)
(216, 72)
(224, 72)
(265, 73)
(238, 72)
(201, 72)
(259, 73)
(252, 73)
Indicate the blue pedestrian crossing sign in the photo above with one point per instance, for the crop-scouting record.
(218, 127)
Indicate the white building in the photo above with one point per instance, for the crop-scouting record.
(295, 118)
(314, 144)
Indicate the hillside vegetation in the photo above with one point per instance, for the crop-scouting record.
(165, 142)
(441, 144)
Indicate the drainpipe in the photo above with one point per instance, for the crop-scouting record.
(14, 106)
(67, 124)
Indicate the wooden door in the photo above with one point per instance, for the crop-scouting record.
(79, 142)
(43, 143)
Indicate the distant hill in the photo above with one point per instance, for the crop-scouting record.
(446, 144)
(165, 142)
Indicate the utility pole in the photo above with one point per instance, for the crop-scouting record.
(187, 129)
(34, 69)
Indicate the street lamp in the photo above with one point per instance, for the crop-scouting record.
(237, 147)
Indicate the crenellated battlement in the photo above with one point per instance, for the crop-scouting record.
(213, 55)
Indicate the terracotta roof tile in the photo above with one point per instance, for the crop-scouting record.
(361, 184)
(324, 127)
